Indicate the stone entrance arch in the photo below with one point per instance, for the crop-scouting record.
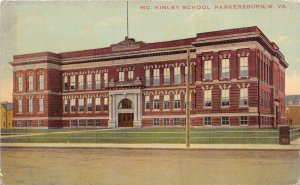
(125, 108)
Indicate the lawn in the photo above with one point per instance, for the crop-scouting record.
(146, 135)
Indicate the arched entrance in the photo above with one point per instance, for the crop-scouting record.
(125, 119)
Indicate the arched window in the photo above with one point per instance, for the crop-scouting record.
(125, 104)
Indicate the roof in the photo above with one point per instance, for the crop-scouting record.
(292, 100)
(6, 105)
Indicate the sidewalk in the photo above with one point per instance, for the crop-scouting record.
(295, 145)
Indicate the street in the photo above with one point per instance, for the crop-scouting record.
(59, 166)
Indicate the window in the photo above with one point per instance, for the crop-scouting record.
(130, 75)
(20, 108)
(97, 123)
(89, 104)
(207, 121)
(225, 97)
(177, 104)
(19, 123)
(166, 101)
(207, 70)
(65, 105)
(125, 104)
(166, 75)
(185, 100)
(41, 104)
(30, 82)
(81, 105)
(156, 77)
(244, 120)
(80, 82)
(147, 102)
(89, 123)
(244, 67)
(156, 121)
(105, 104)
(97, 104)
(66, 85)
(147, 77)
(73, 105)
(225, 120)
(244, 97)
(41, 82)
(225, 68)
(121, 76)
(89, 81)
(186, 74)
(177, 75)
(97, 81)
(40, 123)
(105, 76)
(207, 98)
(176, 121)
(72, 87)
(73, 123)
(156, 102)
(166, 121)
(30, 108)
(29, 123)
(20, 83)
(81, 123)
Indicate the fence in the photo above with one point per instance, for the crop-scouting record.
(198, 136)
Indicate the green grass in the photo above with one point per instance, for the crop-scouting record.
(149, 135)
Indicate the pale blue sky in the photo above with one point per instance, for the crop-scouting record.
(28, 27)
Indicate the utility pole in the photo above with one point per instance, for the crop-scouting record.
(188, 125)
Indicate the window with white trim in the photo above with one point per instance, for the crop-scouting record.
(81, 105)
(186, 74)
(105, 76)
(66, 105)
(19, 123)
(207, 121)
(244, 120)
(73, 123)
(121, 76)
(177, 101)
(147, 77)
(89, 81)
(40, 123)
(244, 67)
(166, 101)
(41, 82)
(97, 80)
(156, 102)
(130, 75)
(20, 104)
(156, 121)
(166, 75)
(176, 121)
(20, 83)
(207, 70)
(73, 83)
(225, 97)
(30, 105)
(66, 84)
(81, 123)
(244, 97)
(177, 79)
(225, 68)
(41, 104)
(29, 123)
(98, 105)
(97, 123)
(89, 123)
(73, 105)
(106, 104)
(156, 77)
(147, 102)
(30, 82)
(185, 100)
(80, 82)
(166, 121)
(207, 98)
(89, 104)
(225, 121)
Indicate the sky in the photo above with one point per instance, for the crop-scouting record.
(60, 26)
